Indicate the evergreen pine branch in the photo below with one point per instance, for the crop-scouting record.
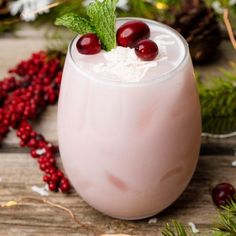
(218, 95)
(226, 224)
(175, 229)
(218, 102)
(219, 125)
(231, 207)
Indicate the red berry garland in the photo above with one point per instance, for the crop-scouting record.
(33, 86)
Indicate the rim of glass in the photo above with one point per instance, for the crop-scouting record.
(160, 78)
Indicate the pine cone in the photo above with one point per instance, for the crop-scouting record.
(200, 28)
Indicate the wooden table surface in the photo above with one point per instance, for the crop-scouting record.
(19, 172)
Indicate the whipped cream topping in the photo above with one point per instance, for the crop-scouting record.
(124, 64)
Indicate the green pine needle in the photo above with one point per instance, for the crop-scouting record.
(218, 102)
(176, 229)
(225, 226)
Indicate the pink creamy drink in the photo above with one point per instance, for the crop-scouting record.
(129, 130)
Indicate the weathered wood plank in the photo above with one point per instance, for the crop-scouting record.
(19, 172)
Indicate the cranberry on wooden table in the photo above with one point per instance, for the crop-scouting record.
(52, 186)
(23, 99)
(222, 193)
(46, 154)
(89, 44)
(146, 50)
(131, 32)
(64, 185)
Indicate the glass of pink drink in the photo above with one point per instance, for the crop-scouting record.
(129, 134)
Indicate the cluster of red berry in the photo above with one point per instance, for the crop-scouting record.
(33, 85)
(133, 34)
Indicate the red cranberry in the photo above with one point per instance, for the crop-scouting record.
(42, 159)
(47, 164)
(28, 127)
(32, 143)
(146, 50)
(222, 194)
(18, 133)
(42, 166)
(46, 178)
(51, 160)
(52, 186)
(33, 134)
(131, 32)
(24, 137)
(34, 153)
(52, 170)
(60, 174)
(50, 148)
(41, 144)
(64, 180)
(89, 44)
(65, 187)
(55, 178)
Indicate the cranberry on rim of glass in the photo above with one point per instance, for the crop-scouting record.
(89, 44)
(130, 33)
(133, 34)
(146, 49)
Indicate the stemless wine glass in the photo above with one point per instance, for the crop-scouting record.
(129, 148)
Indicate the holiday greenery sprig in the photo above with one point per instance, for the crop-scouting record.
(175, 229)
(101, 21)
(225, 225)
(218, 102)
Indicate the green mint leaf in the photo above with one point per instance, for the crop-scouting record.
(75, 23)
(102, 17)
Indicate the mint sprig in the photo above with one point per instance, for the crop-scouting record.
(75, 23)
(102, 17)
(101, 22)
